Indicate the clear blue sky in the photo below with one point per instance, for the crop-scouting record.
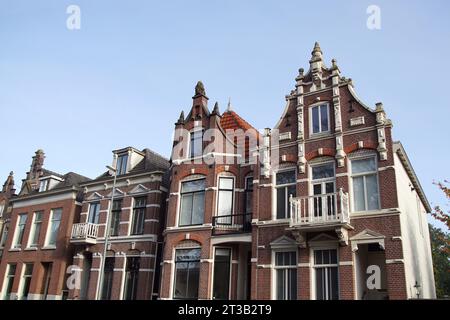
(124, 77)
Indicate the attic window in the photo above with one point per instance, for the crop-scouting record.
(43, 185)
(122, 162)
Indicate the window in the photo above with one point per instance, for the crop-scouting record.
(115, 218)
(108, 279)
(225, 199)
(46, 277)
(43, 185)
(196, 146)
(192, 202)
(323, 185)
(2, 208)
(140, 204)
(286, 275)
(249, 195)
(26, 281)
(187, 273)
(4, 236)
(285, 186)
(222, 259)
(9, 281)
(320, 119)
(94, 212)
(326, 274)
(131, 278)
(36, 229)
(20, 230)
(121, 165)
(55, 221)
(365, 184)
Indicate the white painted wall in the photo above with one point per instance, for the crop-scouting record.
(415, 236)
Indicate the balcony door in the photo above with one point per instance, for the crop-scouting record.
(323, 191)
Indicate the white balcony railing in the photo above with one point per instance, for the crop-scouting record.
(329, 208)
(85, 231)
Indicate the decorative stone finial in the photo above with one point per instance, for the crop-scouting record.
(200, 89)
(379, 106)
(317, 52)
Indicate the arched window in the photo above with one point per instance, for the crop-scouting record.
(187, 270)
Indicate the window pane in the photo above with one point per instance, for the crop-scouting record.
(226, 183)
(196, 143)
(324, 117)
(358, 194)
(221, 274)
(187, 273)
(225, 203)
(320, 284)
(315, 120)
(372, 192)
(292, 274)
(323, 171)
(281, 281)
(186, 209)
(333, 289)
(54, 226)
(364, 165)
(94, 210)
(286, 177)
(281, 203)
(198, 208)
(195, 185)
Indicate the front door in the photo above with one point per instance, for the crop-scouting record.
(222, 263)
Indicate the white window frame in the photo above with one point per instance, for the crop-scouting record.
(321, 132)
(7, 279)
(351, 176)
(314, 248)
(22, 279)
(121, 155)
(33, 230)
(274, 192)
(233, 192)
(15, 244)
(49, 227)
(188, 179)
(275, 268)
(196, 130)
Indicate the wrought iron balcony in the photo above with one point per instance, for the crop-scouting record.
(84, 233)
(235, 223)
(328, 209)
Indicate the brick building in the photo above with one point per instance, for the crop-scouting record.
(323, 206)
(137, 213)
(37, 249)
(8, 191)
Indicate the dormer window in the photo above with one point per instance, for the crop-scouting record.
(43, 185)
(122, 162)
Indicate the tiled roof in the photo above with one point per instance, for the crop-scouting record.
(231, 120)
